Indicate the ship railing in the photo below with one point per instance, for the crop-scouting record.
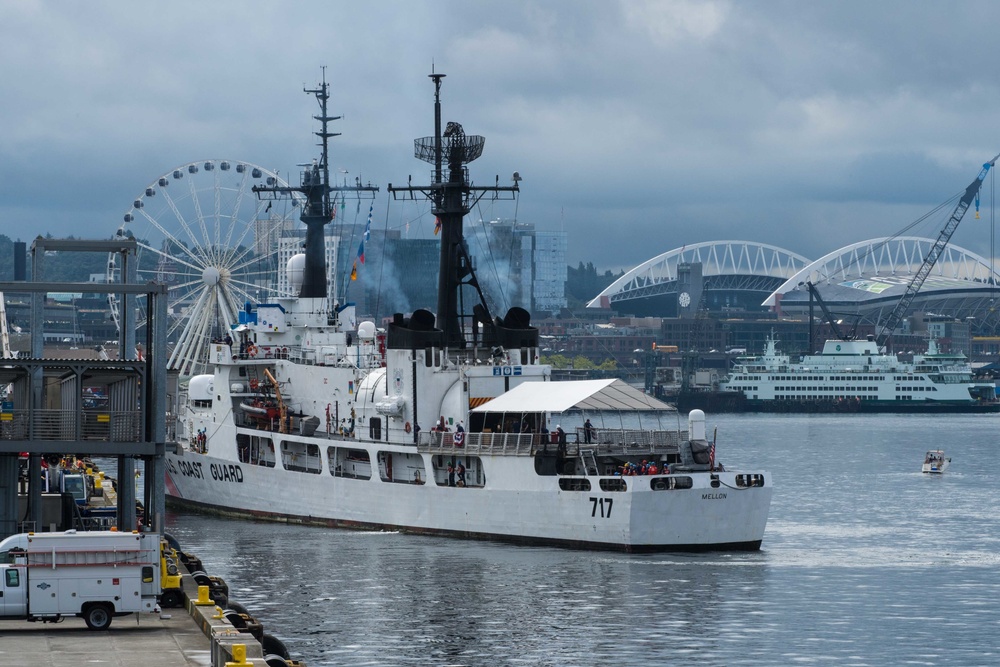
(603, 442)
(641, 438)
(108, 426)
(494, 444)
(630, 441)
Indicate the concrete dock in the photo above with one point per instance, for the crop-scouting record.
(193, 635)
(172, 639)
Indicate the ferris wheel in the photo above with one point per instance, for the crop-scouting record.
(203, 232)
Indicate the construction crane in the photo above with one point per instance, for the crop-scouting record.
(971, 193)
(831, 320)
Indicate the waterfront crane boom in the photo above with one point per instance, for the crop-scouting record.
(932, 256)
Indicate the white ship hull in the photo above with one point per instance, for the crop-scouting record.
(518, 506)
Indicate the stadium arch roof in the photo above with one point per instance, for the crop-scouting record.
(735, 265)
(879, 270)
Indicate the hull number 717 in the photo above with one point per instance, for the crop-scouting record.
(605, 507)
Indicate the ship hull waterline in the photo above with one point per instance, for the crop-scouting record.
(207, 484)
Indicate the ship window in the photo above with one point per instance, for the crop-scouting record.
(475, 477)
(671, 482)
(401, 468)
(301, 457)
(614, 484)
(351, 463)
(574, 484)
(255, 450)
(744, 481)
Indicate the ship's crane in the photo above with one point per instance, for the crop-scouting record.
(282, 410)
(971, 193)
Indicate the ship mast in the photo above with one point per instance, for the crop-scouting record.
(452, 196)
(318, 211)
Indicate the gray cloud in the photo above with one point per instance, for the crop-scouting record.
(638, 126)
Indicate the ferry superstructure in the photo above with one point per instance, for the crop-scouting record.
(856, 375)
(447, 424)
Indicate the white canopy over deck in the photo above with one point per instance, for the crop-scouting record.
(572, 396)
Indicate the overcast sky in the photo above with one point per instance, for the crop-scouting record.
(638, 127)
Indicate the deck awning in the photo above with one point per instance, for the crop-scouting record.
(575, 395)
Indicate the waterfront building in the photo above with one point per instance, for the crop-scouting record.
(518, 264)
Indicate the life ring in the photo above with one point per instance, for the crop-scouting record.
(254, 384)
(252, 350)
(407, 427)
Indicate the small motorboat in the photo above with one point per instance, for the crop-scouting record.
(936, 462)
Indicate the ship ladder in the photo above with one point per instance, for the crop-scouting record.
(589, 461)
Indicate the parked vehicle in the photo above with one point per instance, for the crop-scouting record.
(94, 575)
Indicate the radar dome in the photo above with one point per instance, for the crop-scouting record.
(294, 269)
(366, 330)
(201, 388)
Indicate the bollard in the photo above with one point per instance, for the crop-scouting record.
(203, 599)
(239, 656)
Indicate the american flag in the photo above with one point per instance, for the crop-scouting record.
(711, 454)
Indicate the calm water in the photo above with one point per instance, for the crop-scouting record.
(866, 561)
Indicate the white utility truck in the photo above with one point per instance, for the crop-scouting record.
(95, 575)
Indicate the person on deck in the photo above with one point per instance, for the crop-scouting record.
(588, 431)
(460, 474)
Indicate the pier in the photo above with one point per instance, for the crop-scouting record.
(199, 634)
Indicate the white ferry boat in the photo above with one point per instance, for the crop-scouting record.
(444, 425)
(857, 376)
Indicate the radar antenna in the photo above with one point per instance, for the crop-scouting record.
(318, 211)
(451, 200)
